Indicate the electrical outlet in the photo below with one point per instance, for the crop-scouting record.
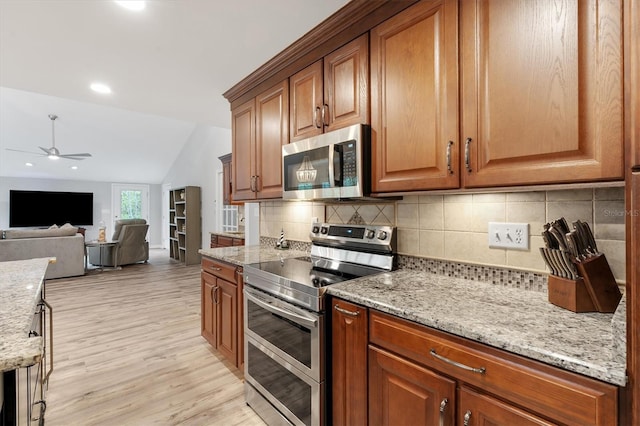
(509, 235)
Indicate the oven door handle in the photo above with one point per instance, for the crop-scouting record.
(293, 316)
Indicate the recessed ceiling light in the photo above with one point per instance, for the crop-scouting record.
(132, 4)
(100, 88)
(28, 164)
(74, 167)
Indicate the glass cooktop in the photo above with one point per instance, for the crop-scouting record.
(302, 271)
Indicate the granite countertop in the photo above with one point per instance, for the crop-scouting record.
(242, 255)
(518, 321)
(20, 285)
(229, 234)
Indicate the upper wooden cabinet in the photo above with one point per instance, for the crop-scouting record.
(541, 91)
(260, 127)
(414, 99)
(243, 150)
(226, 179)
(331, 93)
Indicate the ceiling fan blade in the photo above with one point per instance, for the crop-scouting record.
(27, 152)
(47, 151)
(83, 154)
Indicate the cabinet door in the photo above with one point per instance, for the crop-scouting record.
(272, 131)
(207, 308)
(346, 85)
(541, 91)
(404, 393)
(227, 320)
(414, 99)
(478, 409)
(243, 135)
(306, 102)
(349, 363)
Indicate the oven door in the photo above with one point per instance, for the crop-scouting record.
(275, 389)
(293, 334)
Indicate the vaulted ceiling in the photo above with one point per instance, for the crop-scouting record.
(167, 65)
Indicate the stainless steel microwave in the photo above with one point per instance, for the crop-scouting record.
(333, 165)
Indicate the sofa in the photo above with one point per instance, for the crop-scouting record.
(63, 243)
(131, 245)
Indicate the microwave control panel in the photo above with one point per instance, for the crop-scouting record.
(346, 152)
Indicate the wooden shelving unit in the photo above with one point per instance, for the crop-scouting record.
(185, 224)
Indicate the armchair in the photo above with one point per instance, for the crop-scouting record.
(131, 245)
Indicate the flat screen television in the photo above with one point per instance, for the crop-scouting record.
(45, 208)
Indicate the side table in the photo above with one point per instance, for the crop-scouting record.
(102, 246)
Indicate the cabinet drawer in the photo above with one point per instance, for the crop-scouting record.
(225, 241)
(238, 241)
(555, 393)
(223, 270)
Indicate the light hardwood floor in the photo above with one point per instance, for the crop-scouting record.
(128, 351)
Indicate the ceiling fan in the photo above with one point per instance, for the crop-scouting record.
(53, 153)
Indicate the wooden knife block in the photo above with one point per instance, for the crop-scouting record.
(600, 283)
(570, 294)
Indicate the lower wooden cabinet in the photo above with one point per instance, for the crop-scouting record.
(419, 375)
(226, 307)
(224, 241)
(404, 393)
(221, 308)
(349, 364)
(478, 409)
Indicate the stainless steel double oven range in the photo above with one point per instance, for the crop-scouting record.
(284, 320)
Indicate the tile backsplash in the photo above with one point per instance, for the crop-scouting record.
(454, 227)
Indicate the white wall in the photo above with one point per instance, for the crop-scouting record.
(101, 202)
(198, 165)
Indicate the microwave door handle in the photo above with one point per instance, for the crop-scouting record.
(332, 171)
(338, 165)
(295, 317)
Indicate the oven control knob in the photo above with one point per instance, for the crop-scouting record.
(382, 235)
(324, 230)
(371, 233)
(315, 230)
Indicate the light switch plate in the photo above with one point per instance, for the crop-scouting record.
(509, 235)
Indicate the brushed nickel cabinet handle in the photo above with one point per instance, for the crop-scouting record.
(467, 154)
(325, 115)
(467, 418)
(344, 311)
(443, 407)
(251, 184)
(212, 296)
(315, 117)
(215, 294)
(258, 189)
(480, 370)
(214, 268)
(449, 166)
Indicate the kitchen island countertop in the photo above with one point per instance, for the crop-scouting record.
(518, 321)
(20, 284)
